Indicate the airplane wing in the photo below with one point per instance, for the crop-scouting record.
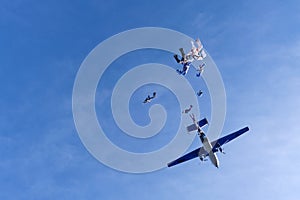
(216, 144)
(221, 141)
(188, 156)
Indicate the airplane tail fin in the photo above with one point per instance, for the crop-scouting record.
(193, 127)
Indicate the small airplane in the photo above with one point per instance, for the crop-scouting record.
(209, 148)
(148, 99)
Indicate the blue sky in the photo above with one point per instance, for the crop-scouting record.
(255, 44)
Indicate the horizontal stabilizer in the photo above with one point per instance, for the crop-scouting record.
(193, 127)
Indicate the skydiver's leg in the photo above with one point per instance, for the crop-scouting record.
(186, 67)
(198, 42)
(182, 53)
(179, 71)
(177, 59)
(193, 45)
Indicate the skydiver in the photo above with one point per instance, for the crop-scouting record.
(196, 53)
(187, 110)
(148, 99)
(200, 69)
(185, 60)
(199, 93)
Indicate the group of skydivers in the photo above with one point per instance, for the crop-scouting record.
(196, 53)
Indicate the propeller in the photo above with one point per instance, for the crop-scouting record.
(202, 158)
(221, 150)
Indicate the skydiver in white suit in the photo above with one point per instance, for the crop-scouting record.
(197, 53)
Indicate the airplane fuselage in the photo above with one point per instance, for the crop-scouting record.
(208, 148)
